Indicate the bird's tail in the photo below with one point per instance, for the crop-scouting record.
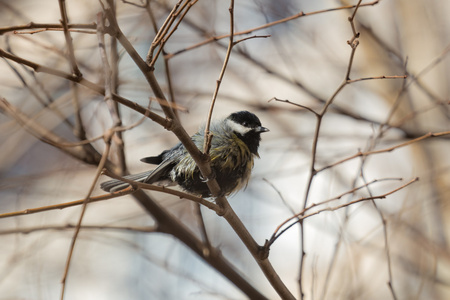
(117, 185)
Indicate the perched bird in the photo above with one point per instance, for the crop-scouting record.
(234, 144)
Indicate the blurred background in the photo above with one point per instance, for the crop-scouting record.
(351, 253)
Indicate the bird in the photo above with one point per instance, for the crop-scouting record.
(234, 145)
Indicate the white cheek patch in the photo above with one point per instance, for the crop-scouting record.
(238, 127)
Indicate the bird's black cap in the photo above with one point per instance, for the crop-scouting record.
(246, 119)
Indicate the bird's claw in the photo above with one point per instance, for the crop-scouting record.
(209, 178)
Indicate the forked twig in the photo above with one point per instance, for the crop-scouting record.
(301, 215)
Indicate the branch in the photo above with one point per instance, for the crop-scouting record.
(389, 149)
(25, 230)
(163, 189)
(45, 26)
(71, 53)
(312, 171)
(295, 104)
(267, 25)
(85, 152)
(86, 200)
(163, 34)
(207, 134)
(377, 77)
(89, 84)
(30, 211)
(300, 216)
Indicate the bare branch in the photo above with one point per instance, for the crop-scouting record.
(46, 26)
(267, 25)
(86, 200)
(389, 149)
(207, 134)
(301, 216)
(71, 53)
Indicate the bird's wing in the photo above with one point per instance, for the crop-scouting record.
(155, 160)
(167, 160)
(161, 172)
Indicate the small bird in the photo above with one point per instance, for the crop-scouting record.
(234, 144)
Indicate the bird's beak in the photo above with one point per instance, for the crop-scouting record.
(261, 129)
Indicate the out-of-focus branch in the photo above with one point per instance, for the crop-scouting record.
(86, 200)
(415, 78)
(267, 25)
(179, 10)
(59, 206)
(213, 256)
(89, 84)
(389, 149)
(28, 230)
(106, 70)
(114, 58)
(85, 153)
(70, 51)
(46, 26)
(35, 87)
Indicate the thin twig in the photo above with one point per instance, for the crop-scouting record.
(312, 171)
(267, 25)
(80, 220)
(295, 104)
(53, 29)
(114, 58)
(251, 38)
(146, 3)
(46, 26)
(389, 149)
(164, 189)
(207, 134)
(385, 235)
(121, 193)
(301, 217)
(59, 206)
(70, 50)
(162, 30)
(202, 225)
(28, 230)
(163, 34)
(377, 78)
(106, 70)
(314, 205)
